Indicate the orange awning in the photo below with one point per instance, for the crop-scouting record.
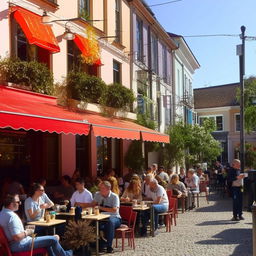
(83, 45)
(35, 31)
(153, 136)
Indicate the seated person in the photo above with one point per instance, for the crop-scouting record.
(36, 204)
(18, 238)
(179, 190)
(201, 175)
(163, 175)
(192, 182)
(178, 186)
(114, 185)
(182, 174)
(145, 186)
(108, 203)
(133, 191)
(160, 205)
(81, 197)
(65, 190)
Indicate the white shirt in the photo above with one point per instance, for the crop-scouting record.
(83, 197)
(160, 191)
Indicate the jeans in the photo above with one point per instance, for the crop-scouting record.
(109, 228)
(51, 243)
(237, 196)
(145, 216)
(158, 208)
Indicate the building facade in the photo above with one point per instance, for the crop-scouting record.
(185, 65)
(219, 103)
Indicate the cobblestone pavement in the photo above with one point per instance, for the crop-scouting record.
(206, 231)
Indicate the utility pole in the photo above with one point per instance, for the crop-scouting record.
(241, 53)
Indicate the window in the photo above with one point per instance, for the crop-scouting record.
(84, 9)
(116, 72)
(237, 122)
(139, 40)
(25, 51)
(218, 121)
(164, 58)
(154, 54)
(118, 21)
(74, 59)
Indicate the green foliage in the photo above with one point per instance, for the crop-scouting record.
(133, 158)
(144, 120)
(33, 74)
(84, 87)
(118, 96)
(194, 143)
(250, 107)
(250, 155)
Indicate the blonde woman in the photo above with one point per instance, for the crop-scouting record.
(114, 185)
(133, 191)
(177, 185)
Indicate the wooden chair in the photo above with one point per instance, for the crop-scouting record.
(203, 188)
(5, 250)
(127, 231)
(125, 213)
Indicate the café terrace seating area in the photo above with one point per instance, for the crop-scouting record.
(62, 214)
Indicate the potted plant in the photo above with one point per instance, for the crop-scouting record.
(78, 235)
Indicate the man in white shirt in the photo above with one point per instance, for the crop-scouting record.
(160, 204)
(81, 197)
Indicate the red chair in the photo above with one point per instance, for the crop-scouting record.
(125, 213)
(128, 231)
(170, 214)
(5, 250)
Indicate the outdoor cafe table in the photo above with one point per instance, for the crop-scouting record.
(140, 208)
(43, 223)
(97, 218)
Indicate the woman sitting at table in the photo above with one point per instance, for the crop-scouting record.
(177, 186)
(133, 191)
(114, 185)
(36, 204)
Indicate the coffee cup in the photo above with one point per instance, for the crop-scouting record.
(134, 202)
(48, 218)
(89, 210)
(72, 209)
(96, 210)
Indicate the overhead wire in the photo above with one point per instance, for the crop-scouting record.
(164, 3)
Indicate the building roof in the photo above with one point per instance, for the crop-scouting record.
(216, 96)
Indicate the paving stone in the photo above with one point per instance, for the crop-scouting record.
(204, 231)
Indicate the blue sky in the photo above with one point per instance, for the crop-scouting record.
(216, 55)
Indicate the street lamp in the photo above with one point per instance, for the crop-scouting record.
(241, 54)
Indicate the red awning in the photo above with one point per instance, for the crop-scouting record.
(26, 110)
(36, 32)
(83, 45)
(31, 111)
(153, 136)
(123, 129)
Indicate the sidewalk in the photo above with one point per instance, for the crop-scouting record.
(206, 231)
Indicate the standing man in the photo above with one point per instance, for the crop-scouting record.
(81, 197)
(235, 177)
(108, 203)
(18, 238)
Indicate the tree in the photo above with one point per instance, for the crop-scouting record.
(249, 103)
(193, 143)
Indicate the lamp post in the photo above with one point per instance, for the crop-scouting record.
(241, 54)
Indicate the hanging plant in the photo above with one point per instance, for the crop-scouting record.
(93, 48)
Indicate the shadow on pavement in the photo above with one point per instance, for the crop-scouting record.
(241, 237)
(215, 222)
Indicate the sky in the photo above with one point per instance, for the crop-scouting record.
(217, 57)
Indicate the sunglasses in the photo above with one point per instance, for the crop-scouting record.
(41, 190)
